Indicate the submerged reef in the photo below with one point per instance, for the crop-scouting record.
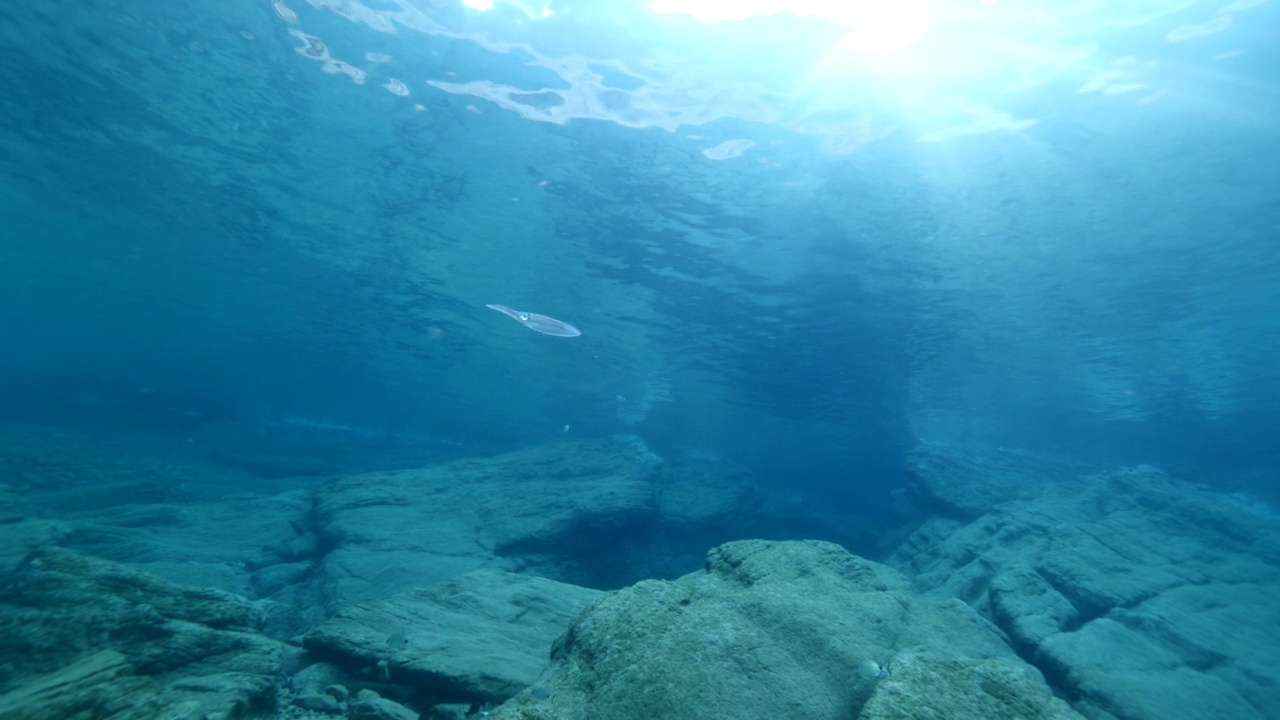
(1138, 594)
(572, 582)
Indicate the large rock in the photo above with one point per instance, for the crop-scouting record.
(599, 514)
(19, 538)
(169, 513)
(1138, 595)
(84, 635)
(786, 631)
(216, 542)
(99, 685)
(953, 482)
(478, 638)
(561, 506)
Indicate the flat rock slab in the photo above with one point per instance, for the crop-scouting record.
(784, 631)
(389, 531)
(1138, 595)
(170, 513)
(99, 685)
(953, 482)
(480, 637)
(92, 638)
(213, 542)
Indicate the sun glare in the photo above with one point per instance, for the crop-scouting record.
(875, 26)
(537, 13)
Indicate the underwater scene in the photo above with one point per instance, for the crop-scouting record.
(640, 360)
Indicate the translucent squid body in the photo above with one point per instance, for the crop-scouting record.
(541, 323)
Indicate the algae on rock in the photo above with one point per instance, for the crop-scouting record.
(786, 631)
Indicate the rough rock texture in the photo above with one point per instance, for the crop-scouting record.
(171, 514)
(953, 482)
(787, 630)
(389, 531)
(1138, 595)
(85, 637)
(20, 537)
(380, 709)
(99, 685)
(599, 514)
(215, 543)
(479, 638)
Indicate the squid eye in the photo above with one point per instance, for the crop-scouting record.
(524, 317)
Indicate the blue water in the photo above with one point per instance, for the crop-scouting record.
(1060, 240)
(261, 236)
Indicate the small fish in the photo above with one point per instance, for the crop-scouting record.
(541, 323)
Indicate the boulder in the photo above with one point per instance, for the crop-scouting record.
(786, 631)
